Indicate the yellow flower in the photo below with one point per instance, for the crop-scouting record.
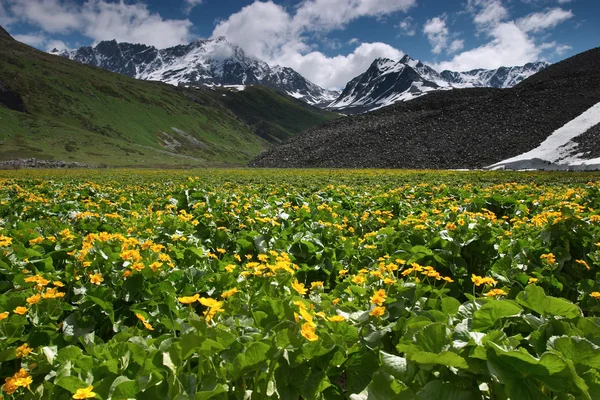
(479, 280)
(58, 284)
(189, 299)
(3, 315)
(308, 331)
(85, 393)
(33, 299)
(532, 280)
(358, 279)
(337, 318)
(229, 268)
(23, 350)
(448, 279)
(550, 258)
(379, 297)
(299, 287)
(20, 310)
(23, 382)
(342, 272)
(229, 293)
(582, 262)
(222, 251)
(316, 284)
(377, 312)
(595, 295)
(35, 241)
(496, 293)
(263, 258)
(96, 279)
(306, 316)
(213, 305)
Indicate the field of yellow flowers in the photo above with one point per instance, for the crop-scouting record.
(299, 284)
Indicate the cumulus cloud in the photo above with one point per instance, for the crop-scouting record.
(511, 42)
(544, 20)
(437, 34)
(407, 27)
(56, 44)
(101, 20)
(269, 31)
(32, 39)
(5, 19)
(335, 72)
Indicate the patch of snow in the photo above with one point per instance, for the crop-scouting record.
(558, 151)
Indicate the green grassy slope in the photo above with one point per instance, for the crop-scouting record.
(53, 108)
(271, 115)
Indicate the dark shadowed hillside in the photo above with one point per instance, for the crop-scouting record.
(467, 128)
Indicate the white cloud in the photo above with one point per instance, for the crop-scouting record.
(5, 19)
(335, 72)
(437, 34)
(190, 4)
(56, 44)
(407, 27)
(52, 16)
(511, 42)
(490, 13)
(268, 31)
(101, 20)
(331, 14)
(32, 39)
(544, 20)
(456, 45)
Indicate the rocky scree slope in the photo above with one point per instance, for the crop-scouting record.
(202, 62)
(464, 128)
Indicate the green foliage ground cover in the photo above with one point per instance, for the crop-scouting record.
(299, 284)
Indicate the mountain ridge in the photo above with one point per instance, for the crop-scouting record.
(199, 63)
(388, 81)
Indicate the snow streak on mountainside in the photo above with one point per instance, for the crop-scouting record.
(562, 149)
(202, 62)
(387, 82)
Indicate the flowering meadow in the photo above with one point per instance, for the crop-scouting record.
(299, 284)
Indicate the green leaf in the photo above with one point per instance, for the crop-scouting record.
(490, 313)
(70, 383)
(433, 338)
(446, 358)
(385, 387)
(579, 350)
(397, 366)
(438, 390)
(450, 305)
(533, 297)
(124, 388)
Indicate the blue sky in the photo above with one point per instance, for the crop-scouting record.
(328, 41)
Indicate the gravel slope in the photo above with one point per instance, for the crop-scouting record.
(468, 128)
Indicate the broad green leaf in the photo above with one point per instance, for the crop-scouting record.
(446, 358)
(492, 312)
(533, 297)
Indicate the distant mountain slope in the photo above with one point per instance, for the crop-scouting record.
(463, 128)
(387, 82)
(271, 115)
(502, 78)
(54, 108)
(202, 62)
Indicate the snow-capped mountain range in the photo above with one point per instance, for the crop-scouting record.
(202, 62)
(221, 63)
(387, 82)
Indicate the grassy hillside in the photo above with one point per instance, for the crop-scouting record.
(273, 116)
(53, 108)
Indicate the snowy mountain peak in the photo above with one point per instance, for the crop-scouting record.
(201, 62)
(387, 81)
